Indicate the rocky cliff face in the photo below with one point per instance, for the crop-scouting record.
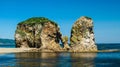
(38, 33)
(82, 36)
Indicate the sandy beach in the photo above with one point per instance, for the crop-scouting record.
(17, 50)
(14, 50)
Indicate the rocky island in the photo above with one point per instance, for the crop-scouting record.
(82, 36)
(44, 35)
(38, 32)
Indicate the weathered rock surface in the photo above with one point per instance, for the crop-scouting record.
(38, 32)
(44, 34)
(82, 36)
(65, 43)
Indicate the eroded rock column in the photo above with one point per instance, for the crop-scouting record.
(82, 36)
(65, 43)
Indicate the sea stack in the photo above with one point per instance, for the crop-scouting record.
(38, 32)
(82, 36)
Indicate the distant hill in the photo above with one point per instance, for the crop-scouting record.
(6, 41)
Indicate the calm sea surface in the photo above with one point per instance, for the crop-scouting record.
(102, 59)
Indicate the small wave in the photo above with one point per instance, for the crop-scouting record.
(110, 50)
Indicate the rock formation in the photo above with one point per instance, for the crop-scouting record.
(65, 43)
(82, 36)
(38, 32)
(42, 33)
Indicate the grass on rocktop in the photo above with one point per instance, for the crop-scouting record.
(37, 20)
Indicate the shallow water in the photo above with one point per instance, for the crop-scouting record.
(106, 59)
(7, 46)
(102, 59)
(100, 46)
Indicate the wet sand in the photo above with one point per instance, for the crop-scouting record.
(14, 50)
(17, 50)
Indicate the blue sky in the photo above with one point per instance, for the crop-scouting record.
(105, 14)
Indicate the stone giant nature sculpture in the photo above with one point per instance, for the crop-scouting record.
(44, 34)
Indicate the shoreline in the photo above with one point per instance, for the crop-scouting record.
(19, 50)
(14, 50)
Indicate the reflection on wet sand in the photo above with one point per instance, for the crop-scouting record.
(55, 59)
(36, 59)
(83, 59)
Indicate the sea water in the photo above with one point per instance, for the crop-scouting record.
(36, 59)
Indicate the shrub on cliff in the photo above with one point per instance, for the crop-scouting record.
(37, 20)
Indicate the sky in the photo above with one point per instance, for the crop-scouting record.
(105, 14)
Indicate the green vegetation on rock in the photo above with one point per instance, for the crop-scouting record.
(87, 17)
(37, 20)
(22, 33)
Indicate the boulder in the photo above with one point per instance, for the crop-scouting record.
(82, 36)
(38, 32)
